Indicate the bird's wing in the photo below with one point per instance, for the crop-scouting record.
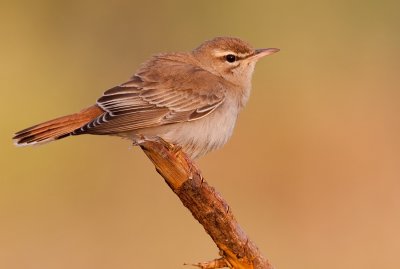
(144, 102)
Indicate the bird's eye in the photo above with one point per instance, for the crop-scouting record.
(230, 58)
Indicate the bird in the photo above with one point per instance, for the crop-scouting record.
(189, 99)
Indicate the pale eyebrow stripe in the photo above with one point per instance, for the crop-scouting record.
(220, 53)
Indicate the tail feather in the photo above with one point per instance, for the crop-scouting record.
(57, 128)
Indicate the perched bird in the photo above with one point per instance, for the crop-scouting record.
(190, 99)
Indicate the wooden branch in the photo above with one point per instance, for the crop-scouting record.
(206, 205)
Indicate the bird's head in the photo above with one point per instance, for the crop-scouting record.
(231, 58)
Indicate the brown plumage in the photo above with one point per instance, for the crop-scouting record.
(57, 128)
(189, 99)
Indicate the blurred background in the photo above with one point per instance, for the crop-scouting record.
(312, 171)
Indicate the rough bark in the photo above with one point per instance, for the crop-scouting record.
(206, 205)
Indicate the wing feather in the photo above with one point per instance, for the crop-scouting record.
(152, 98)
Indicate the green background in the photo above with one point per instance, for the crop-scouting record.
(312, 170)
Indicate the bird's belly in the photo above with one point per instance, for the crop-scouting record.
(199, 136)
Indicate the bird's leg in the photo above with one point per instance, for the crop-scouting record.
(175, 149)
(140, 139)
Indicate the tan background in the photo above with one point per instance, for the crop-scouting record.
(312, 171)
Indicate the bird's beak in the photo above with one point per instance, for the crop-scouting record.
(264, 52)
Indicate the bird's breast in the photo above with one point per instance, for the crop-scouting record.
(206, 134)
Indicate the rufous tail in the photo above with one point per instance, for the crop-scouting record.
(57, 128)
